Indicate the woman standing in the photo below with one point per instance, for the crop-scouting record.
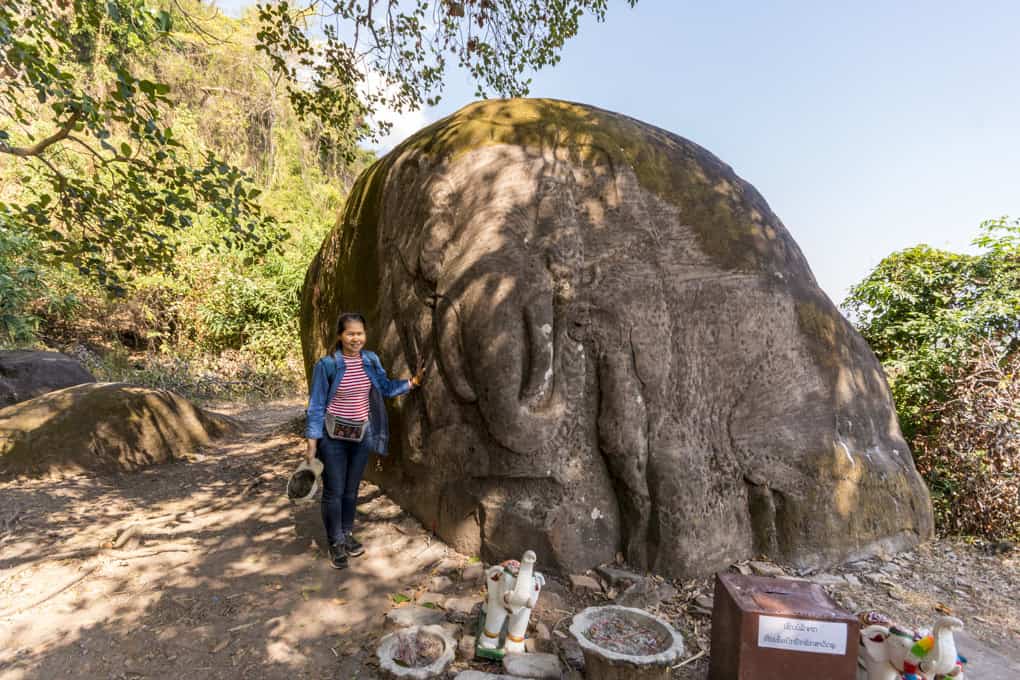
(346, 422)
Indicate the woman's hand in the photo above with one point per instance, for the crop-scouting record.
(310, 453)
(417, 378)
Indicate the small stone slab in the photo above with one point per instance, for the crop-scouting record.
(440, 584)
(447, 566)
(646, 594)
(616, 577)
(828, 579)
(479, 675)
(582, 582)
(473, 572)
(766, 568)
(461, 605)
(403, 617)
(542, 666)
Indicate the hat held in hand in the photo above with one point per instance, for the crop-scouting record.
(305, 481)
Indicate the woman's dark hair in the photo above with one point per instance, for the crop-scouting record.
(348, 317)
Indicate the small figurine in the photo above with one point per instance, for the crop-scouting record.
(513, 589)
(891, 653)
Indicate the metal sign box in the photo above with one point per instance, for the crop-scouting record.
(777, 629)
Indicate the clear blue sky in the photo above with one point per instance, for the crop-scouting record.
(868, 126)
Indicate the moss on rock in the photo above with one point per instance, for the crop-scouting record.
(732, 221)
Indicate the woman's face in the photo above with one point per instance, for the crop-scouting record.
(352, 337)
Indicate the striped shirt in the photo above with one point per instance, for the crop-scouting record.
(351, 399)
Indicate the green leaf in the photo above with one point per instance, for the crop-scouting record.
(163, 21)
(399, 598)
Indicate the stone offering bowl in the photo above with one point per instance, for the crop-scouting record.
(604, 663)
(388, 647)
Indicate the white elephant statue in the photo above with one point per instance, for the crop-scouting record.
(891, 653)
(513, 589)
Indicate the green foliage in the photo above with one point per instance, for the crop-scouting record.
(211, 295)
(393, 54)
(923, 309)
(19, 285)
(29, 291)
(946, 327)
(171, 171)
(106, 181)
(227, 376)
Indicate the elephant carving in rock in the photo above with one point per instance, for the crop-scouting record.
(627, 352)
(513, 590)
(892, 653)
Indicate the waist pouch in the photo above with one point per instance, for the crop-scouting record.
(345, 429)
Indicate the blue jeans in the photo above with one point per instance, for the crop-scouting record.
(343, 465)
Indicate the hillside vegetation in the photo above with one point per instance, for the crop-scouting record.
(214, 317)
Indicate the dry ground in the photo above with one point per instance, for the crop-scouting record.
(202, 568)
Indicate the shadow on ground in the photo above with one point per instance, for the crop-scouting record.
(201, 566)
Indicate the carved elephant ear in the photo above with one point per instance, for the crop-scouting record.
(873, 642)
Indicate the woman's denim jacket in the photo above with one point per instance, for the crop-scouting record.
(323, 390)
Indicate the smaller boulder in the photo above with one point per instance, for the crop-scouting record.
(766, 568)
(542, 666)
(584, 583)
(103, 428)
(616, 577)
(26, 374)
(646, 594)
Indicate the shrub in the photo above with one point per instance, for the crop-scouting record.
(946, 327)
(971, 457)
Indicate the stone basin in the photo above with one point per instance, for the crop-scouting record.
(388, 648)
(641, 646)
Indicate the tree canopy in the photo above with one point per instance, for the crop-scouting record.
(86, 116)
(105, 182)
(923, 310)
(394, 53)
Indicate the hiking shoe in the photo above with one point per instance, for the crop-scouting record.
(353, 545)
(338, 556)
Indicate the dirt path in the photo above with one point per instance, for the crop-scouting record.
(202, 569)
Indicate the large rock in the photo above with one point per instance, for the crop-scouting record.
(25, 374)
(628, 352)
(102, 427)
